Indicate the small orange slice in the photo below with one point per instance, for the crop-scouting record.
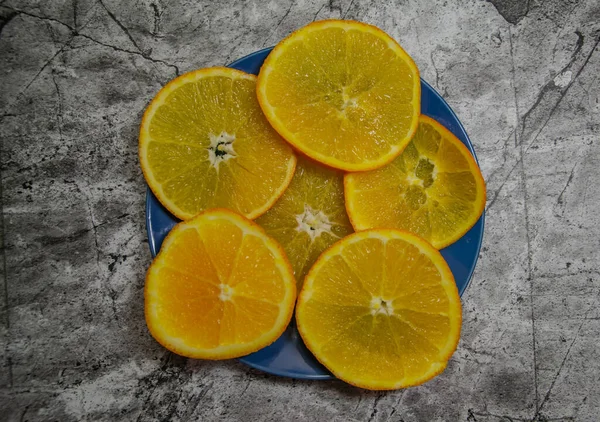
(310, 216)
(343, 92)
(219, 288)
(205, 143)
(433, 189)
(380, 310)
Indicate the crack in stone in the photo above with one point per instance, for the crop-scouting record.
(241, 39)
(530, 275)
(77, 33)
(437, 75)
(20, 12)
(157, 373)
(416, 29)
(106, 280)
(157, 15)
(317, 14)
(562, 364)
(279, 23)
(358, 403)
(56, 240)
(374, 409)
(513, 72)
(23, 12)
(203, 392)
(497, 191)
(111, 292)
(550, 85)
(246, 387)
(59, 117)
(44, 18)
(395, 406)
(120, 25)
(123, 50)
(473, 413)
(559, 201)
(74, 5)
(348, 9)
(171, 370)
(566, 89)
(45, 66)
(527, 232)
(477, 352)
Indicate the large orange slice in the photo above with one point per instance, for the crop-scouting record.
(380, 310)
(205, 143)
(433, 189)
(342, 92)
(310, 216)
(219, 288)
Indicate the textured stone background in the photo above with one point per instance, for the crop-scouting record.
(75, 77)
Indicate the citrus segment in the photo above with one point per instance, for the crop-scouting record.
(433, 189)
(310, 216)
(219, 288)
(342, 92)
(380, 310)
(205, 143)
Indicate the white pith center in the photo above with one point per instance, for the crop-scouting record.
(381, 306)
(225, 293)
(313, 222)
(348, 101)
(220, 149)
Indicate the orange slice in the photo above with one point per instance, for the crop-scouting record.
(380, 310)
(310, 216)
(433, 189)
(205, 143)
(219, 288)
(342, 92)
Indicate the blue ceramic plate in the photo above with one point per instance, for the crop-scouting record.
(288, 356)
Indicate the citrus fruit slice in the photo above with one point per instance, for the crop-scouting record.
(433, 189)
(380, 310)
(310, 216)
(342, 92)
(219, 288)
(205, 143)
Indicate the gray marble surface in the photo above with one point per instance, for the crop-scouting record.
(75, 77)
